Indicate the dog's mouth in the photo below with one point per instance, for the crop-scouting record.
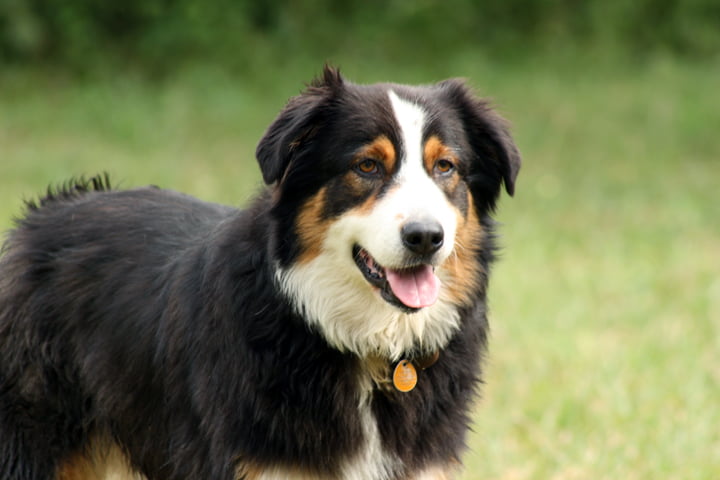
(410, 288)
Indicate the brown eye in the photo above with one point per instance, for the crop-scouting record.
(444, 166)
(367, 166)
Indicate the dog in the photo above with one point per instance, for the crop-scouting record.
(333, 329)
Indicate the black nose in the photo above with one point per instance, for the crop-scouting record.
(422, 238)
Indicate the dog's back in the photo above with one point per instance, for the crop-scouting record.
(72, 355)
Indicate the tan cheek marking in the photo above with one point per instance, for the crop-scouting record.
(311, 228)
(462, 266)
(382, 150)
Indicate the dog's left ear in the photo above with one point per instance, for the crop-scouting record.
(296, 124)
(488, 132)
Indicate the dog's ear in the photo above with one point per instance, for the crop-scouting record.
(488, 132)
(296, 124)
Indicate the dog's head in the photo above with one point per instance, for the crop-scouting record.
(382, 195)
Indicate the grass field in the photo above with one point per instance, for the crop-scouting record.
(605, 353)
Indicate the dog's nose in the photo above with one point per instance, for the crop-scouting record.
(422, 238)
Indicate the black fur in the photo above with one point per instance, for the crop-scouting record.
(152, 319)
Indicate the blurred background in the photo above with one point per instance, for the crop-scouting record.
(604, 361)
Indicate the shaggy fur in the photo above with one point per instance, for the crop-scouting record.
(148, 334)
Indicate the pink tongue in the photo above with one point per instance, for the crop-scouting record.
(416, 288)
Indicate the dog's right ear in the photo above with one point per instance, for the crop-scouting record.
(296, 125)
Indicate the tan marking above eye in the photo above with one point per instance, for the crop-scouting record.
(381, 151)
(438, 157)
(462, 269)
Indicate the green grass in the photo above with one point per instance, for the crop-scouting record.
(604, 361)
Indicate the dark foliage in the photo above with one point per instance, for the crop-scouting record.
(160, 34)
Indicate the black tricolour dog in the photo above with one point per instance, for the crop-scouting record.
(332, 330)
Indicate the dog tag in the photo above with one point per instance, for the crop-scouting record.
(404, 376)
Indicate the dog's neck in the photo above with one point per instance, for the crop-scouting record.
(387, 375)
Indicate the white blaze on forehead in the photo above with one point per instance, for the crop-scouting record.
(411, 119)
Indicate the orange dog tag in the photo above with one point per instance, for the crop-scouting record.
(405, 376)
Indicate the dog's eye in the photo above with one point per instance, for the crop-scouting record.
(367, 166)
(443, 166)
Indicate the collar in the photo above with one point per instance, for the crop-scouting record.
(405, 377)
